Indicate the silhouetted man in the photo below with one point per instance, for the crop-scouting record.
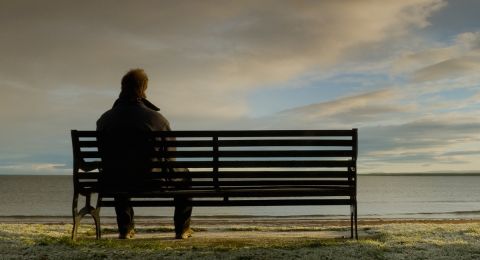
(126, 125)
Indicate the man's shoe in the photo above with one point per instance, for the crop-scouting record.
(186, 234)
(129, 235)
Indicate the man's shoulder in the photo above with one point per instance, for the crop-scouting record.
(158, 121)
(135, 115)
(104, 119)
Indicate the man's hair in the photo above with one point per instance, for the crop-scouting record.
(134, 84)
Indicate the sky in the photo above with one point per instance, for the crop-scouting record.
(405, 73)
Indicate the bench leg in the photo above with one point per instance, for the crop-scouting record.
(96, 218)
(76, 218)
(78, 215)
(351, 220)
(356, 220)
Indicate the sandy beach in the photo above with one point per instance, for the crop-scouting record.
(244, 238)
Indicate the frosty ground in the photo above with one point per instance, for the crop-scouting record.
(260, 238)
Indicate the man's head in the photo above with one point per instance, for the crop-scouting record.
(134, 84)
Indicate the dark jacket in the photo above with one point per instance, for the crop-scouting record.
(125, 145)
(138, 114)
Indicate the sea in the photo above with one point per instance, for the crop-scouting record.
(379, 196)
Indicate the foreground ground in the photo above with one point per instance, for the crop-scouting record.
(259, 238)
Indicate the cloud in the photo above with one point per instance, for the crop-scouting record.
(452, 68)
(463, 153)
(429, 132)
(352, 110)
(411, 61)
(428, 139)
(459, 59)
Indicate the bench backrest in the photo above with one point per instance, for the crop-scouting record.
(233, 159)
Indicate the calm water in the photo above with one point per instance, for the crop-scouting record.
(378, 196)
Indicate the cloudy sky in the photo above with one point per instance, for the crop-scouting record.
(406, 73)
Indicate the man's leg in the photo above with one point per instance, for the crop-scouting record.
(183, 211)
(182, 217)
(125, 215)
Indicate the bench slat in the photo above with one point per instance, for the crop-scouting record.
(276, 153)
(274, 182)
(89, 165)
(86, 175)
(254, 164)
(210, 154)
(211, 203)
(87, 144)
(265, 174)
(157, 183)
(255, 133)
(238, 143)
(239, 174)
(89, 154)
(77, 133)
(234, 192)
(250, 143)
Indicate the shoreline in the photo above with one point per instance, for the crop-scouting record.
(240, 220)
(69, 174)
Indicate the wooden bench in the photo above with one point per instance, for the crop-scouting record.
(231, 168)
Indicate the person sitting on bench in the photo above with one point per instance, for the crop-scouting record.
(133, 113)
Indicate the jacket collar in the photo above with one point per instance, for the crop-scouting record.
(142, 101)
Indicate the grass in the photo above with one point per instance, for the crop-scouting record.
(380, 241)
